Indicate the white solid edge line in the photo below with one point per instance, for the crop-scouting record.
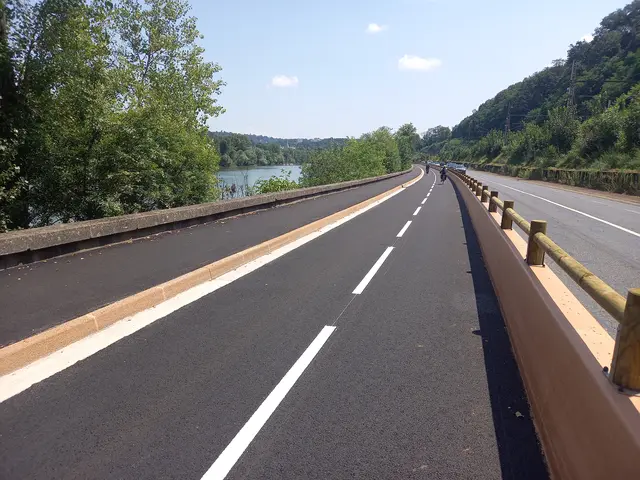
(247, 433)
(632, 211)
(417, 211)
(376, 266)
(18, 381)
(404, 229)
(574, 210)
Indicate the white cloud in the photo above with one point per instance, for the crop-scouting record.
(375, 28)
(413, 62)
(587, 38)
(284, 81)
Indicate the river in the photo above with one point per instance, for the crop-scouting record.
(242, 177)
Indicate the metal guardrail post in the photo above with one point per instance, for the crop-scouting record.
(492, 205)
(625, 367)
(535, 253)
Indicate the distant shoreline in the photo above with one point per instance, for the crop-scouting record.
(254, 167)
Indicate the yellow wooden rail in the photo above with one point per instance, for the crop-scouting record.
(625, 367)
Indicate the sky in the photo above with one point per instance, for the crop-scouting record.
(331, 68)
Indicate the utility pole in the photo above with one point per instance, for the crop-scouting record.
(507, 124)
(572, 86)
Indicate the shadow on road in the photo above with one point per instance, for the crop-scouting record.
(520, 453)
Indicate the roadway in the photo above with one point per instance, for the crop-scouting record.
(287, 373)
(43, 294)
(601, 231)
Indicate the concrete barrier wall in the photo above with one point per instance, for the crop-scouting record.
(587, 428)
(25, 246)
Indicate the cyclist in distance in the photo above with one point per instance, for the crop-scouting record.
(443, 174)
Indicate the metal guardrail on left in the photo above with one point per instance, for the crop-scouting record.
(625, 364)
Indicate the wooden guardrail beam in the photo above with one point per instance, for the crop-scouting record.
(521, 222)
(597, 289)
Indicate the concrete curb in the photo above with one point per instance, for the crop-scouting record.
(19, 354)
(587, 429)
(25, 246)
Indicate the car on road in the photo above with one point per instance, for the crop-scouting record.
(457, 166)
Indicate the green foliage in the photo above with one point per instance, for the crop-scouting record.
(490, 145)
(297, 143)
(11, 184)
(408, 141)
(601, 130)
(606, 67)
(526, 146)
(434, 139)
(562, 127)
(456, 150)
(373, 154)
(598, 134)
(238, 150)
(383, 141)
(109, 107)
(276, 183)
(628, 107)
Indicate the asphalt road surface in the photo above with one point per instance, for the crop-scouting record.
(287, 373)
(601, 233)
(41, 295)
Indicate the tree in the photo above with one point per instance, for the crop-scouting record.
(550, 127)
(563, 128)
(11, 182)
(384, 142)
(408, 141)
(434, 139)
(372, 154)
(113, 101)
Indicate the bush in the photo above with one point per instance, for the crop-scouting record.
(374, 154)
(276, 183)
(599, 134)
(630, 129)
(490, 145)
(563, 128)
(528, 145)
